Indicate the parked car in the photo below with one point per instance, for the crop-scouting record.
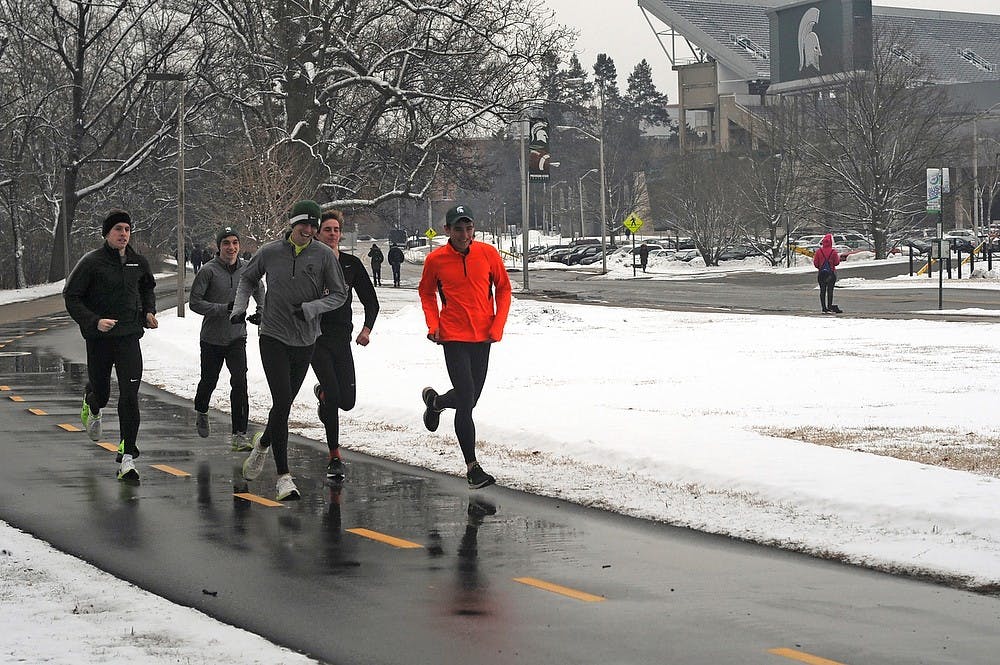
(961, 243)
(595, 258)
(685, 255)
(736, 253)
(558, 255)
(583, 251)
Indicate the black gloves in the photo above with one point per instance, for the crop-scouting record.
(238, 318)
(299, 314)
(254, 318)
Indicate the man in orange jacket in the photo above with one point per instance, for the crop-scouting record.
(471, 281)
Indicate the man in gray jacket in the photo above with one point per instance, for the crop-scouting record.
(212, 296)
(304, 279)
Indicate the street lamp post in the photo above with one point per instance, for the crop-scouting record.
(552, 206)
(604, 191)
(181, 267)
(580, 191)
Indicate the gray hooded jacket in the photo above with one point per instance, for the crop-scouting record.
(311, 282)
(213, 289)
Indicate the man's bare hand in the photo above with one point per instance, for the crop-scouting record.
(104, 325)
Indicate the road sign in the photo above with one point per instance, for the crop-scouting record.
(633, 223)
(430, 234)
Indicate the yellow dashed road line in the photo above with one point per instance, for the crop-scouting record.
(171, 470)
(382, 538)
(803, 657)
(562, 590)
(246, 496)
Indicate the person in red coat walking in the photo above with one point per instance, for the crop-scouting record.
(825, 260)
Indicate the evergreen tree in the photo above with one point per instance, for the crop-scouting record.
(644, 100)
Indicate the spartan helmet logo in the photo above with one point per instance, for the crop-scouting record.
(809, 48)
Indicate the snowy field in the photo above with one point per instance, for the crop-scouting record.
(816, 434)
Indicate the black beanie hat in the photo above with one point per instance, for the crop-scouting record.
(116, 216)
(225, 232)
(305, 212)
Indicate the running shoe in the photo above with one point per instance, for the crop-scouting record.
(204, 427)
(91, 421)
(241, 443)
(127, 472)
(254, 463)
(335, 469)
(285, 489)
(478, 478)
(321, 398)
(120, 452)
(432, 414)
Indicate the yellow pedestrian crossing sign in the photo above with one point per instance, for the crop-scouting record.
(430, 234)
(633, 223)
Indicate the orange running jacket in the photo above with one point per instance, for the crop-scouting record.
(474, 290)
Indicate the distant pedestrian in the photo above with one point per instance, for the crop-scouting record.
(196, 256)
(304, 280)
(110, 296)
(212, 295)
(375, 254)
(474, 290)
(396, 261)
(332, 361)
(643, 256)
(825, 260)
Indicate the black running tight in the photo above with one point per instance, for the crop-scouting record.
(285, 368)
(124, 354)
(467, 364)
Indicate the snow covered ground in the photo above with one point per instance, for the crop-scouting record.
(780, 430)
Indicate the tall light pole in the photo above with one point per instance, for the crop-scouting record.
(604, 192)
(181, 267)
(580, 191)
(552, 207)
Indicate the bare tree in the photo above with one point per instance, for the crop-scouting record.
(702, 196)
(97, 102)
(775, 189)
(373, 95)
(868, 138)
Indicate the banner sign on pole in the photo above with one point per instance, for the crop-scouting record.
(933, 190)
(945, 182)
(538, 147)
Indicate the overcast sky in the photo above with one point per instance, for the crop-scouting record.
(619, 28)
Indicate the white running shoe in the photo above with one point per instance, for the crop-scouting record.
(92, 421)
(254, 463)
(127, 472)
(241, 443)
(286, 489)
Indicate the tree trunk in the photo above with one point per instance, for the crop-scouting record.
(64, 226)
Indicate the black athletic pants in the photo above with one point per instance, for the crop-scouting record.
(395, 273)
(376, 273)
(467, 364)
(235, 357)
(124, 354)
(826, 285)
(285, 368)
(333, 364)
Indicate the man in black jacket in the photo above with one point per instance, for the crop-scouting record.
(332, 361)
(110, 296)
(396, 261)
(375, 254)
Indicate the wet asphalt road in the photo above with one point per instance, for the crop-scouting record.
(460, 588)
